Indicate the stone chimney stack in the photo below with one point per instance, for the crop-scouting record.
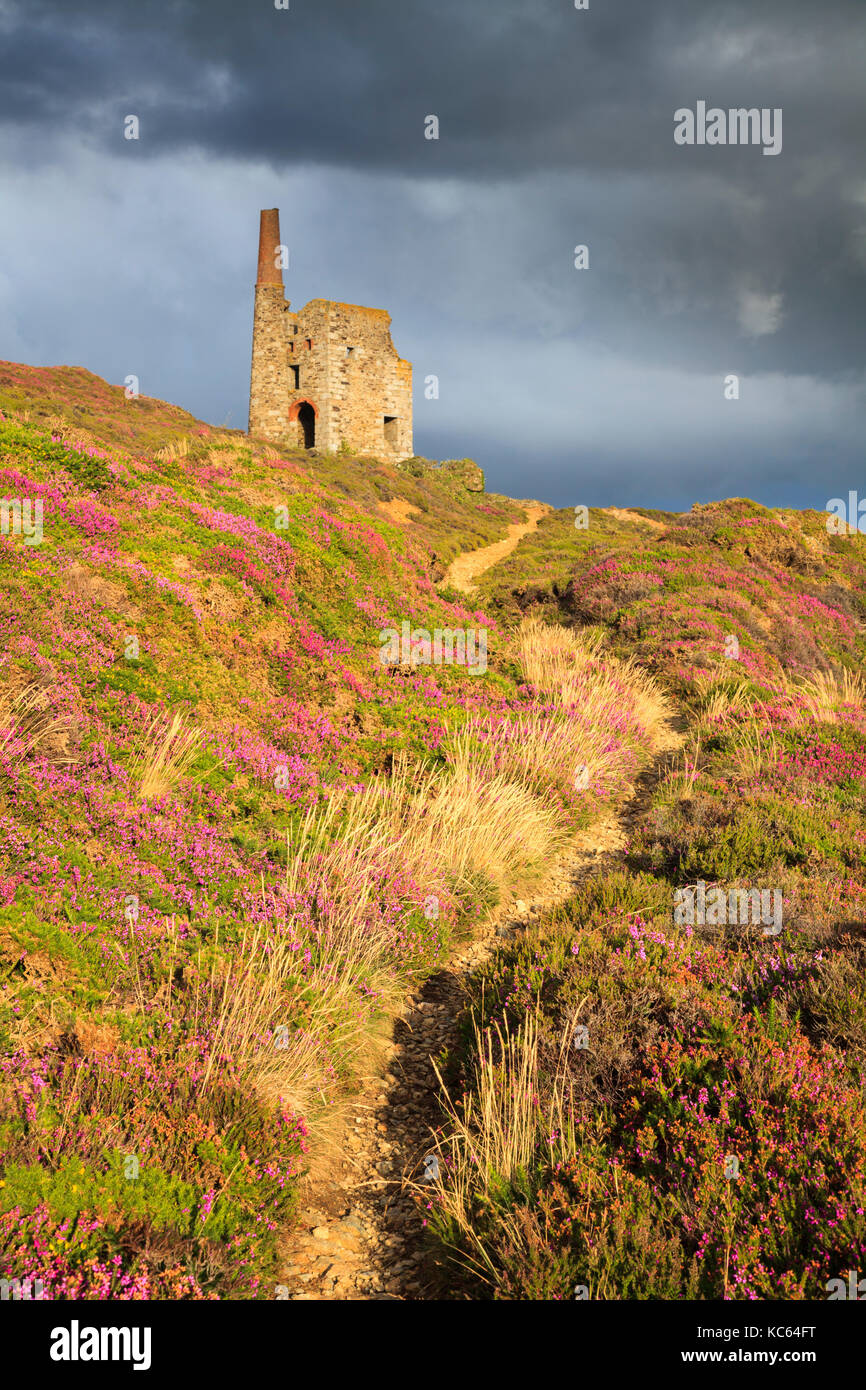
(269, 378)
(269, 241)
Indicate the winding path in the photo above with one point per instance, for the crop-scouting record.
(466, 568)
(360, 1235)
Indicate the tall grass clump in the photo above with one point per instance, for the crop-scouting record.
(590, 716)
(517, 1114)
(29, 724)
(567, 666)
(821, 696)
(177, 449)
(458, 821)
(164, 753)
(282, 1021)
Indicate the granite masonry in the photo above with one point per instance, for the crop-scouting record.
(328, 376)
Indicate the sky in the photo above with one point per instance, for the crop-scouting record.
(607, 385)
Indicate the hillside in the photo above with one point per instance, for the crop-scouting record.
(236, 843)
(687, 1095)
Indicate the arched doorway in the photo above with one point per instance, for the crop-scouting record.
(305, 413)
(307, 422)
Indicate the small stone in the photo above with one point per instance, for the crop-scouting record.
(320, 1233)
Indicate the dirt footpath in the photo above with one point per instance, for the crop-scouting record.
(360, 1233)
(467, 567)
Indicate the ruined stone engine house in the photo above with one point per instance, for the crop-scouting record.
(327, 376)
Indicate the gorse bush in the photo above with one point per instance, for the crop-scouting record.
(86, 465)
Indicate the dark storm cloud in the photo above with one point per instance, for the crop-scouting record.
(520, 87)
(518, 84)
(556, 129)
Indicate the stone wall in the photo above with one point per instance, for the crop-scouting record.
(354, 377)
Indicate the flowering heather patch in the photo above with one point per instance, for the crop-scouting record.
(694, 1056)
(824, 760)
(92, 519)
(274, 553)
(255, 580)
(66, 1256)
(181, 592)
(149, 1157)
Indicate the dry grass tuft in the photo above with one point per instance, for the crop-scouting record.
(567, 744)
(566, 665)
(463, 820)
(720, 697)
(177, 449)
(553, 658)
(679, 780)
(164, 753)
(755, 748)
(823, 695)
(257, 1025)
(29, 724)
(501, 1126)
